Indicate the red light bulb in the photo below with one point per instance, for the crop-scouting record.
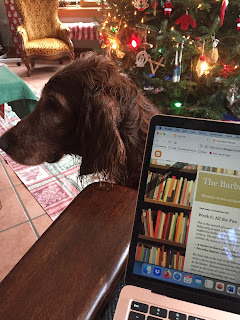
(134, 43)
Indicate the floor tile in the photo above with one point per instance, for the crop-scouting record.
(32, 206)
(14, 243)
(12, 175)
(20, 71)
(11, 212)
(42, 223)
(36, 83)
(19, 236)
(4, 181)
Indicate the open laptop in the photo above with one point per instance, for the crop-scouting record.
(184, 259)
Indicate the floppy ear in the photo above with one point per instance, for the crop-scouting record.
(61, 99)
(104, 149)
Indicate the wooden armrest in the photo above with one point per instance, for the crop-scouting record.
(70, 271)
(23, 33)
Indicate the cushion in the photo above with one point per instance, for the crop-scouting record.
(46, 46)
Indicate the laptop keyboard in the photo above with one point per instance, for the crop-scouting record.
(142, 311)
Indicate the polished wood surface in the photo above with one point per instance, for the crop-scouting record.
(71, 270)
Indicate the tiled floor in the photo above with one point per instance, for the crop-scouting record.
(22, 219)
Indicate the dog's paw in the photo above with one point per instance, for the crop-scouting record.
(106, 186)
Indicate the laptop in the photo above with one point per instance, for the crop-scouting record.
(184, 258)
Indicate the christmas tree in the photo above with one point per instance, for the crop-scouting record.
(183, 53)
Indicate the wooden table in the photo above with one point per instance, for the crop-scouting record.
(71, 270)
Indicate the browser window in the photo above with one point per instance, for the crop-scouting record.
(202, 147)
(190, 220)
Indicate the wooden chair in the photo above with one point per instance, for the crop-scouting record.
(72, 270)
(42, 34)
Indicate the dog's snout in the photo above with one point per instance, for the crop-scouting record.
(4, 144)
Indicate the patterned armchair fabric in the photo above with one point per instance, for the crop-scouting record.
(43, 35)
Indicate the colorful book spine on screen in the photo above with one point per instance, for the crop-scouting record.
(160, 256)
(171, 226)
(178, 191)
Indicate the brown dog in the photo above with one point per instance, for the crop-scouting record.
(89, 109)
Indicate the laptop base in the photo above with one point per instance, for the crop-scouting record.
(175, 309)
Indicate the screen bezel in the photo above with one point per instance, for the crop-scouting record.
(201, 297)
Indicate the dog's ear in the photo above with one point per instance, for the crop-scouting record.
(104, 148)
(61, 100)
(53, 98)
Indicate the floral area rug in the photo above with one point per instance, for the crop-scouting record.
(55, 185)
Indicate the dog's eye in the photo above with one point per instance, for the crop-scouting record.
(53, 104)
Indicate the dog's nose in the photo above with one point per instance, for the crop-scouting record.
(4, 144)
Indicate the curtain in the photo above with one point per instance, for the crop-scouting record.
(14, 21)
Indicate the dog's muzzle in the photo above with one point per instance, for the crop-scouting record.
(56, 157)
(4, 145)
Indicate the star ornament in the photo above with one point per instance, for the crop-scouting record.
(158, 64)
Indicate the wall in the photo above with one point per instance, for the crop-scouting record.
(71, 15)
(4, 28)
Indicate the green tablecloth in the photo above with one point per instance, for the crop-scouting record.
(16, 93)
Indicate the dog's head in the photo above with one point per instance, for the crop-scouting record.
(88, 108)
(37, 138)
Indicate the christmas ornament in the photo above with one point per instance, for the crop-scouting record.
(154, 4)
(185, 20)
(141, 5)
(235, 109)
(141, 59)
(222, 12)
(238, 24)
(145, 45)
(157, 90)
(177, 66)
(212, 56)
(229, 69)
(231, 94)
(180, 63)
(120, 54)
(148, 88)
(158, 64)
(168, 7)
(202, 62)
(104, 39)
(238, 49)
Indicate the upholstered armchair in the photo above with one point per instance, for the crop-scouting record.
(43, 36)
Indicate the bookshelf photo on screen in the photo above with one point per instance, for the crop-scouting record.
(166, 225)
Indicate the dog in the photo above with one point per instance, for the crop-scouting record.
(89, 109)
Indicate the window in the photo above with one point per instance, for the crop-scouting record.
(89, 3)
(81, 3)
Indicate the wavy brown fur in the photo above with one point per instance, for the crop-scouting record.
(89, 109)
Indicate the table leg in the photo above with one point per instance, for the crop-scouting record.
(2, 111)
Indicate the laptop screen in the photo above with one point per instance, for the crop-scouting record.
(188, 220)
